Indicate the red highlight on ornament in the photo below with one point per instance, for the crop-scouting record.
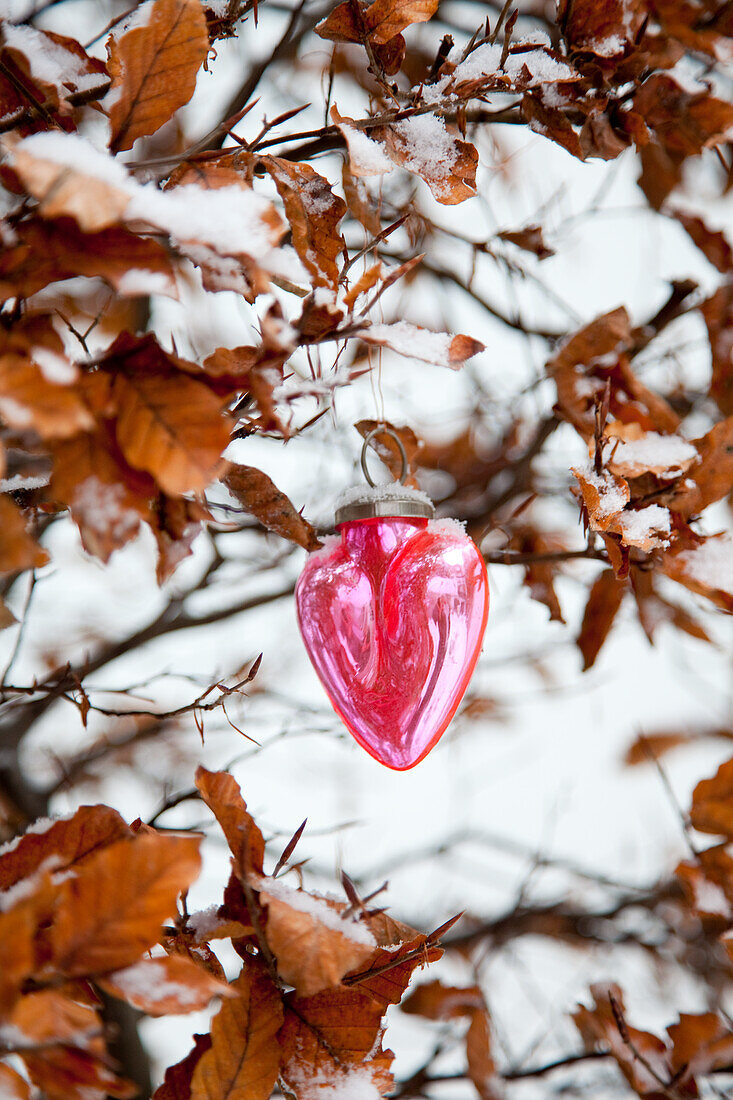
(393, 615)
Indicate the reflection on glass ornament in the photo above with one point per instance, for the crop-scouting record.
(392, 613)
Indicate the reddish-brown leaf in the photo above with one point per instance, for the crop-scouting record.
(65, 1072)
(410, 144)
(717, 313)
(651, 746)
(704, 564)
(177, 1081)
(480, 1059)
(111, 910)
(244, 1058)
(606, 30)
(700, 1044)
(221, 793)
(154, 66)
(259, 496)
(603, 604)
(380, 22)
(712, 243)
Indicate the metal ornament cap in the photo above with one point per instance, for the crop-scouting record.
(368, 502)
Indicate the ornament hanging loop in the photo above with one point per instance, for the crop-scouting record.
(383, 430)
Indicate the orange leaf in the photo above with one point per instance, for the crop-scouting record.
(261, 498)
(12, 1085)
(221, 793)
(69, 1073)
(712, 479)
(313, 944)
(380, 22)
(154, 66)
(18, 549)
(704, 564)
(314, 213)
(111, 910)
(481, 1065)
(423, 145)
(64, 843)
(436, 1001)
(164, 986)
(244, 1058)
(712, 802)
(48, 1017)
(700, 1044)
(177, 1082)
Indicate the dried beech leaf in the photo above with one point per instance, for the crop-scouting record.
(244, 1058)
(607, 30)
(12, 1085)
(603, 604)
(701, 1044)
(164, 986)
(65, 1072)
(530, 239)
(65, 842)
(717, 313)
(314, 214)
(600, 1029)
(388, 450)
(712, 802)
(388, 973)
(221, 793)
(380, 22)
(481, 1065)
(333, 1039)
(153, 67)
(29, 400)
(424, 146)
(177, 1082)
(712, 243)
(420, 343)
(111, 910)
(704, 564)
(651, 746)
(47, 1017)
(18, 549)
(259, 496)
(436, 1001)
(313, 944)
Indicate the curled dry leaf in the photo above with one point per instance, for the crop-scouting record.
(423, 145)
(244, 1057)
(177, 1081)
(388, 450)
(712, 477)
(165, 985)
(153, 67)
(259, 496)
(111, 909)
(700, 1044)
(314, 214)
(380, 21)
(717, 313)
(420, 343)
(530, 239)
(314, 944)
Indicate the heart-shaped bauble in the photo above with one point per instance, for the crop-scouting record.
(393, 616)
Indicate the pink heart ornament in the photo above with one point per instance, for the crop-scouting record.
(393, 617)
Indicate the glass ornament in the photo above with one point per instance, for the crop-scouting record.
(392, 612)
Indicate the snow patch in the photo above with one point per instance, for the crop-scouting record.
(317, 908)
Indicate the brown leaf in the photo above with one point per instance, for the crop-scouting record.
(685, 122)
(712, 478)
(177, 1082)
(18, 549)
(604, 496)
(330, 1037)
(167, 422)
(44, 252)
(313, 943)
(19, 925)
(48, 1016)
(163, 986)
(314, 213)
(243, 1060)
(65, 843)
(481, 1066)
(717, 313)
(64, 192)
(631, 452)
(7, 618)
(552, 123)
(65, 77)
(220, 791)
(29, 400)
(572, 367)
(388, 973)
(712, 802)
(712, 243)
(65, 1072)
(530, 239)
(704, 564)
(424, 146)
(700, 1044)
(651, 746)
(419, 343)
(606, 30)
(601, 1028)
(12, 1085)
(380, 22)
(436, 1001)
(153, 67)
(603, 604)
(259, 496)
(110, 911)
(106, 497)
